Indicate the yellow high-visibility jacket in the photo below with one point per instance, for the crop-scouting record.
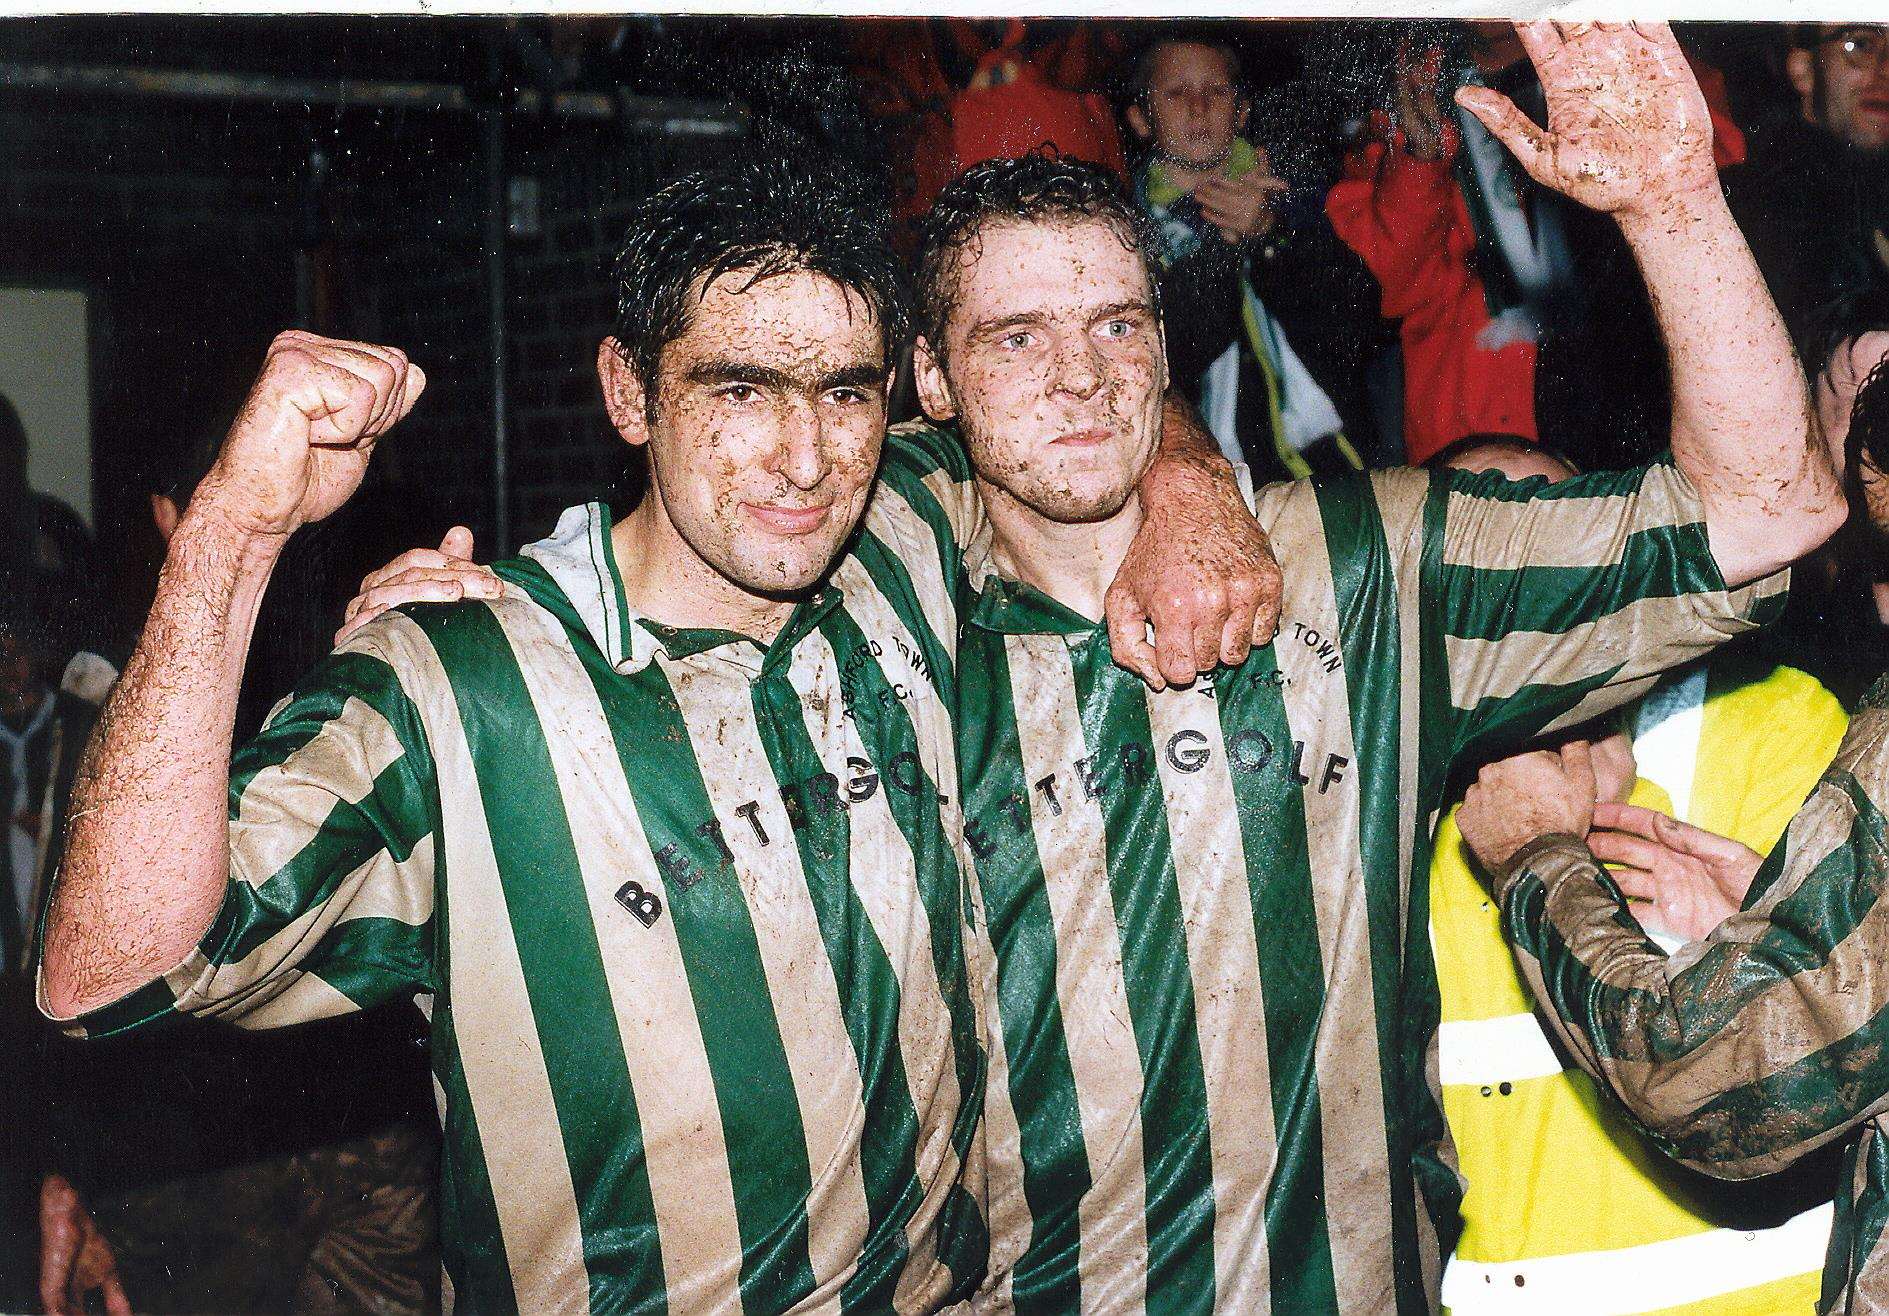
(1567, 1209)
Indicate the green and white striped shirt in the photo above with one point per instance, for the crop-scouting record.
(1745, 1051)
(1213, 1081)
(689, 912)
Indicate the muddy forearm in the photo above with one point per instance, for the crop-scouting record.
(1742, 424)
(147, 856)
(1736, 1061)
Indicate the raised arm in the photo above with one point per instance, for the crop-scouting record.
(147, 857)
(1629, 133)
(1746, 1050)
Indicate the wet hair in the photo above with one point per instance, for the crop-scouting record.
(1044, 187)
(1141, 74)
(761, 217)
(1834, 328)
(1869, 421)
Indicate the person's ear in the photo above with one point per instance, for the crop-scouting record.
(623, 395)
(1243, 110)
(1800, 66)
(1139, 122)
(934, 390)
(164, 515)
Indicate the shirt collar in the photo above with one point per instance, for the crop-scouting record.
(580, 558)
(1010, 607)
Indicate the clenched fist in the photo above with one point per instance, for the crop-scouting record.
(1517, 799)
(301, 442)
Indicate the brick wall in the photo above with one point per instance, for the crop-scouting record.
(182, 218)
(426, 274)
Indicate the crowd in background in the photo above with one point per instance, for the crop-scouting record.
(1355, 275)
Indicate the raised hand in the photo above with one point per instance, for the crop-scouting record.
(1694, 879)
(302, 441)
(422, 575)
(1627, 128)
(1242, 208)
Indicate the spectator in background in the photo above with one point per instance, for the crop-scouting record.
(1837, 622)
(46, 552)
(1251, 290)
(1814, 197)
(26, 736)
(1700, 777)
(26, 706)
(48, 607)
(38, 534)
(955, 92)
(1520, 313)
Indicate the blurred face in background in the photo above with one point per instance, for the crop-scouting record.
(1837, 387)
(20, 690)
(1843, 83)
(1193, 106)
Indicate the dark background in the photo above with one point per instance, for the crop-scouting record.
(201, 225)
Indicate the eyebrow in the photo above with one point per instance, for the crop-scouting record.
(861, 374)
(984, 328)
(1132, 306)
(865, 374)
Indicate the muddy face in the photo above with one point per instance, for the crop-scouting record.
(769, 417)
(1054, 366)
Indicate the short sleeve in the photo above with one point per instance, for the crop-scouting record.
(1555, 603)
(927, 470)
(329, 907)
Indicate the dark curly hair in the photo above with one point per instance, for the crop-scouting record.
(761, 217)
(1040, 188)
(1869, 421)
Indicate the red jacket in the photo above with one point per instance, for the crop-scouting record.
(1021, 93)
(1408, 221)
